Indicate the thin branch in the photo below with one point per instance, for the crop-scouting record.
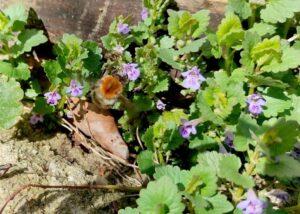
(4, 168)
(138, 138)
(293, 38)
(80, 187)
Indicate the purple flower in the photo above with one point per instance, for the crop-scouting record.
(144, 14)
(123, 28)
(75, 89)
(229, 137)
(160, 105)
(131, 70)
(187, 128)
(255, 104)
(52, 98)
(192, 79)
(36, 118)
(252, 205)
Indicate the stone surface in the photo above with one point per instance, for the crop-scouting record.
(90, 19)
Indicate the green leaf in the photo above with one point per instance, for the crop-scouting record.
(280, 138)
(21, 72)
(28, 39)
(192, 47)
(17, 15)
(169, 56)
(230, 31)
(177, 175)
(241, 7)
(219, 204)
(203, 18)
(210, 160)
(279, 10)
(289, 60)
(267, 51)
(286, 167)
(208, 179)
(167, 42)
(143, 102)
(277, 102)
(182, 23)
(202, 142)
(161, 86)
(243, 137)
(263, 29)
(128, 210)
(229, 169)
(250, 40)
(260, 80)
(295, 112)
(145, 162)
(160, 196)
(93, 62)
(41, 106)
(10, 105)
(52, 69)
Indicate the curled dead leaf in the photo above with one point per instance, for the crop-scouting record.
(100, 125)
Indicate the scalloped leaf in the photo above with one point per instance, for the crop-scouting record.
(280, 138)
(277, 102)
(145, 162)
(128, 210)
(267, 51)
(10, 105)
(263, 29)
(290, 60)
(21, 72)
(240, 7)
(279, 10)
(230, 31)
(246, 125)
(160, 196)
(229, 169)
(286, 167)
(28, 39)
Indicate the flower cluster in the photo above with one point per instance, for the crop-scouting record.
(252, 205)
(123, 28)
(255, 104)
(192, 79)
(187, 128)
(75, 88)
(160, 105)
(52, 98)
(131, 71)
(144, 14)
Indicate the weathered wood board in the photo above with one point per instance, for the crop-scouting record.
(90, 19)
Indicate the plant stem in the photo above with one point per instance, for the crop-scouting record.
(286, 27)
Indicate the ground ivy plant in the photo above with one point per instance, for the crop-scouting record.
(215, 111)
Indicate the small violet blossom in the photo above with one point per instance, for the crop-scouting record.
(160, 105)
(131, 70)
(144, 14)
(187, 128)
(255, 104)
(52, 98)
(252, 205)
(229, 137)
(75, 88)
(36, 118)
(123, 28)
(192, 79)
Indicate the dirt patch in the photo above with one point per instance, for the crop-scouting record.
(51, 160)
